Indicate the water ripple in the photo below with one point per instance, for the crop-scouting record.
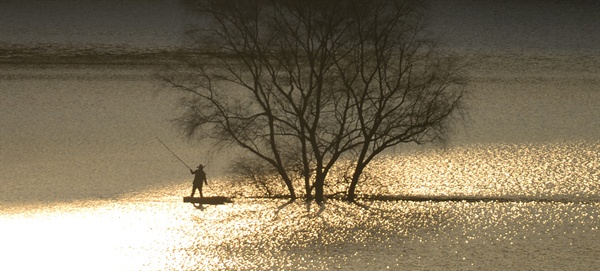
(154, 230)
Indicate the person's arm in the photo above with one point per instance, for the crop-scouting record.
(191, 171)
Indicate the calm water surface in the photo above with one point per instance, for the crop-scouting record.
(84, 185)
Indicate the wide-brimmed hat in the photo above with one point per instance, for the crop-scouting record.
(200, 166)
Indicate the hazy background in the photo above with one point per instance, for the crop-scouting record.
(507, 26)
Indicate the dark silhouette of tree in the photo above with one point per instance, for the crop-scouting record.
(303, 84)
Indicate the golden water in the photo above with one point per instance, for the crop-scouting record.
(550, 221)
(84, 185)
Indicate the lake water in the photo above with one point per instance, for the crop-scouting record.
(85, 185)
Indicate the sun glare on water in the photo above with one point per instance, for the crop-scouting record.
(95, 237)
(480, 203)
(558, 172)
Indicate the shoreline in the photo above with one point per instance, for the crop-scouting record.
(64, 55)
(479, 66)
(56, 54)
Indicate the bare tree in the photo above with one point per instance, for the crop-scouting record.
(303, 84)
(402, 91)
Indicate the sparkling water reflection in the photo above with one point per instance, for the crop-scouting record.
(153, 230)
(560, 172)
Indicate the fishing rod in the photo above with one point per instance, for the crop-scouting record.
(173, 153)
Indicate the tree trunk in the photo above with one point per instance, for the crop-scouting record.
(319, 183)
(355, 177)
(291, 189)
(288, 183)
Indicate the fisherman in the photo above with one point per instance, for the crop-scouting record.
(199, 179)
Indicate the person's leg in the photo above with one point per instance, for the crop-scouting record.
(200, 189)
(193, 191)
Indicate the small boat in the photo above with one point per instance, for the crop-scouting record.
(207, 200)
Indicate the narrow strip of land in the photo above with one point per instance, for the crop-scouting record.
(450, 198)
(476, 199)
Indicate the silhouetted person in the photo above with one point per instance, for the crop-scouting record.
(199, 179)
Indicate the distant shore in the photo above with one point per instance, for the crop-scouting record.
(574, 67)
(57, 54)
(54, 54)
